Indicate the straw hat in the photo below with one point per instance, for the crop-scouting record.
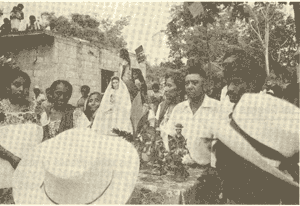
(19, 140)
(265, 131)
(77, 167)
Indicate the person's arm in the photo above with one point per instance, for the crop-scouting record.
(10, 157)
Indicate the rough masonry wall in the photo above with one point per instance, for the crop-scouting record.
(77, 62)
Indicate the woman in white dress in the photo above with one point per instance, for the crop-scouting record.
(115, 109)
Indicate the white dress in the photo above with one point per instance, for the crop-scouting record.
(114, 114)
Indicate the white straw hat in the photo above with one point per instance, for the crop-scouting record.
(19, 140)
(265, 131)
(77, 167)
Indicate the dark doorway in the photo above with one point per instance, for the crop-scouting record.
(106, 75)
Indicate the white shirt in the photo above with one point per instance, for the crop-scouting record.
(198, 125)
(225, 101)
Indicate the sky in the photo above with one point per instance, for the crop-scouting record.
(147, 19)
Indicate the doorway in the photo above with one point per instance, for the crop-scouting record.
(106, 75)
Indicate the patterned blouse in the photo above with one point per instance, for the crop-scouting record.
(79, 120)
(11, 114)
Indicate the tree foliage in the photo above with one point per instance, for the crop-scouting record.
(190, 39)
(261, 29)
(102, 33)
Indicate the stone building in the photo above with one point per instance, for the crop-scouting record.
(47, 56)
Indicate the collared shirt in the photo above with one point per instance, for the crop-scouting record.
(197, 128)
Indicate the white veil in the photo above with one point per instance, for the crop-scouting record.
(117, 115)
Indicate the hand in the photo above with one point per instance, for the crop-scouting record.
(47, 108)
(15, 161)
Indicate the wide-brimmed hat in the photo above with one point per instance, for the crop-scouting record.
(78, 166)
(18, 140)
(178, 126)
(264, 130)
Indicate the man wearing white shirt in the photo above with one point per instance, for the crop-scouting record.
(243, 182)
(195, 114)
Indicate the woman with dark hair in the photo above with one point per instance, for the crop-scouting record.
(140, 83)
(17, 118)
(174, 92)
(15, 98)
(91, 105)
(115, 82)
(126, 74)
(114, 110)
(61, 116)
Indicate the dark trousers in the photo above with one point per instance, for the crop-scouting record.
(245, 183)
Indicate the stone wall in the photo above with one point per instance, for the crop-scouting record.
(76, 61)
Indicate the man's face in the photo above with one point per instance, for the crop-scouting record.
(155, 89)
(178, 131)
(194, 85)
(236, 88)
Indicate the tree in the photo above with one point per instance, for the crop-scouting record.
(259, 18)
(190, 39)
(103, 34)
(261, 29)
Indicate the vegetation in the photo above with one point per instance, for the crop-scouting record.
(262, 29)
(102, 33)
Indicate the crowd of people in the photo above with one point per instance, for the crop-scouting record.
(250, 137)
